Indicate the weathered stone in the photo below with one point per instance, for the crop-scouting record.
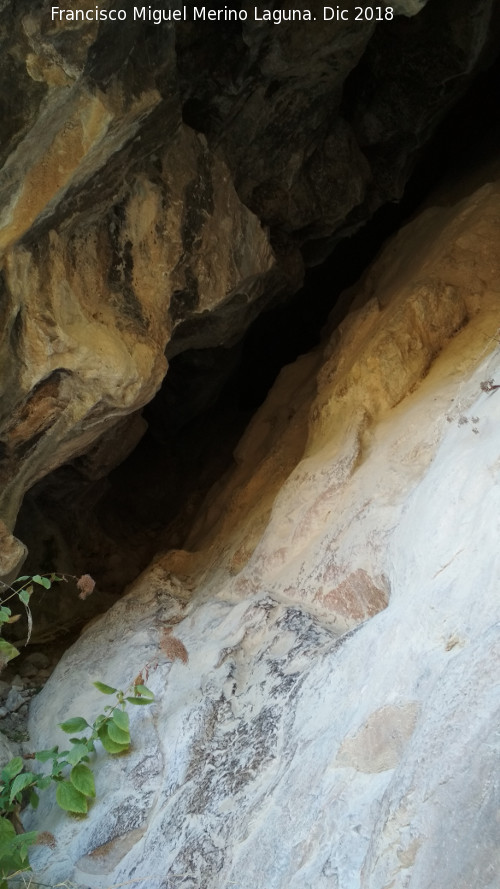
(8, 749)
(37, 659)
(111, 448)
(98, 275)
(14, 701)
(12, 555)
(326, 706)
(374, 94)
(139, 168)
(314, 741)
(438, 823)
(380, 743)
(92, 351)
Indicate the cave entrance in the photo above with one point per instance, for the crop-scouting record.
(148, 503)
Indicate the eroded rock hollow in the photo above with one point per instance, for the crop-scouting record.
(270, 436)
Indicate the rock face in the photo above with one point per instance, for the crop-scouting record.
(323, 645)
(336, 723)
(90, 351)
(12, 554)
(159, 188)
(98, 273)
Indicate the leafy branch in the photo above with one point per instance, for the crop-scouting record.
(23, 588)
(69, 770)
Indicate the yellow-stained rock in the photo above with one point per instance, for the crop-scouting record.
(284, 519)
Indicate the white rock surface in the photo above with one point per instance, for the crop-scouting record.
(336, 726)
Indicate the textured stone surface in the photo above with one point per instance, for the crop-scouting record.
(12, 555)
(8, 750)
(380, 742)
(90, 350)
(383, 349)
(159, 190)
(336, 724)
(97, 273)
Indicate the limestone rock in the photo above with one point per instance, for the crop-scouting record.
(345, 143)
(8, 749)
(89, 350)
(380, 743)
(336, 724)
(158, 190)
(319, 442)
(439, 824)
(12, 555)
(100, 268)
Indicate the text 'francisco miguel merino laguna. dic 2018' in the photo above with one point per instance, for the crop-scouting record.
(226, 14)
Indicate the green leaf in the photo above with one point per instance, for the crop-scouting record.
(57, 768)
(6, 830)
(109, 745)
(42, 581)
(76, 754)
(121, 719)
(13, 767)
(82, 778)
(83, 740)
(24, 577)
(44, 782)
(5, 613)
(106, 689)
(13, 850)
(7, 651)
(45, 755)
(24, 596)
(77, 724)
(20, 783)
(70, 799)
(144, 692)
(138, 701)
(34, 799)
(117, 734)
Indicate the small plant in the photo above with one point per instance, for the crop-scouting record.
(22, 588)
(68, 770)
(13, 851)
